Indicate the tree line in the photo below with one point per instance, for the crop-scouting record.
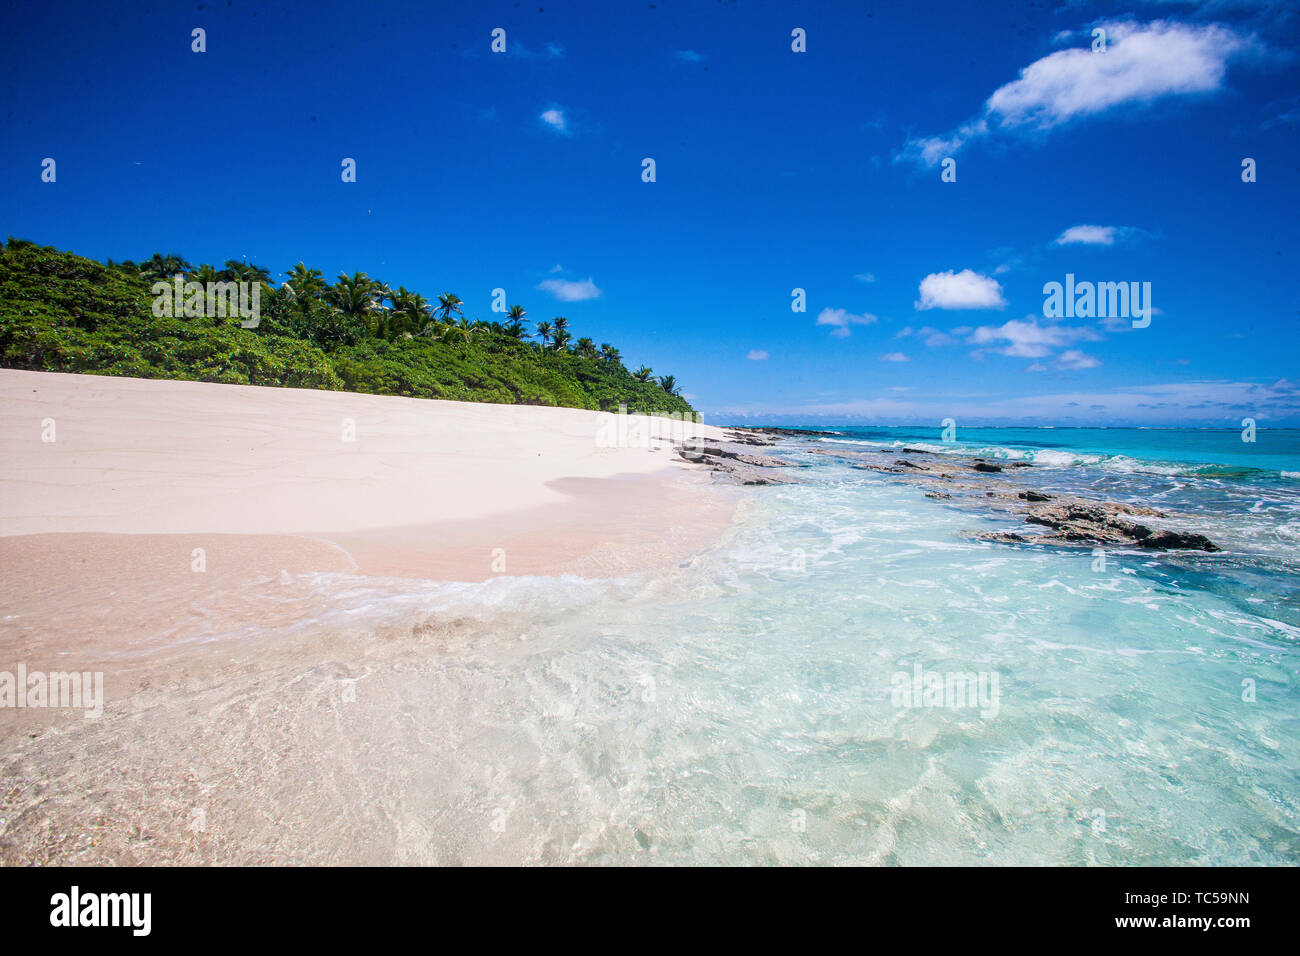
(357, 307)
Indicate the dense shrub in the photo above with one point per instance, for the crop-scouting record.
(60, 312)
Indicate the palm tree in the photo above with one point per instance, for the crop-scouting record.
(351, 296)
(380, 292)
(544, 331)
(560, 337)
(238, 270)
(586, 348)
(461, 331)
(515, 329)
(164, 267)
(609, 353)
(669, 385)
(449, 305)
(304, 285)
(411, 307)
(205, 274)
(398, 321)
(254, 273)
(643, 374)
(516, 313)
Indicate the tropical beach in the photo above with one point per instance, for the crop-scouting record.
(747, 434)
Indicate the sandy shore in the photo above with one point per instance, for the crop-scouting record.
(265, 580)
(165, 516)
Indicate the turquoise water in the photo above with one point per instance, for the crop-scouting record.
(1274, 454)
(1244, 495)
(755, 705)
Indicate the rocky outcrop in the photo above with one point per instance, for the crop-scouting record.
(1081, 521)
(730, 463)
(999, 487)
(989, 488)
(768, 436)
(749, 438)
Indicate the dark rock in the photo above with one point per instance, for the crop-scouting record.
(792, 432)
(1003, 537)
(729, 464)
(1174, 540)
(1034, 496)
(985, 466)
(1108, 523)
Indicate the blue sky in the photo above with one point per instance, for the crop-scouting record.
(775, 170)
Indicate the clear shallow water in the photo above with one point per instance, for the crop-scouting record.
(744, 709)
(1245, 496)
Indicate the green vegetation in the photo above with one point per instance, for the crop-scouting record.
(60, 312)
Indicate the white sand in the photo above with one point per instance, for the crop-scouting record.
(173, 515)
(135, 456)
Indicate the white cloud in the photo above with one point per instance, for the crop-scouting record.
(1119, 323)
(554, 118)
(865, 277)
(690, 56)
(932, 149)
(1074, 359)
(757, 355)
(960, 290)
(842, 320)
(934, 338)
(1026, 338)
(1142, 63)
(1087, 236)
(894, 357)
(516, 48)
(567, 291)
